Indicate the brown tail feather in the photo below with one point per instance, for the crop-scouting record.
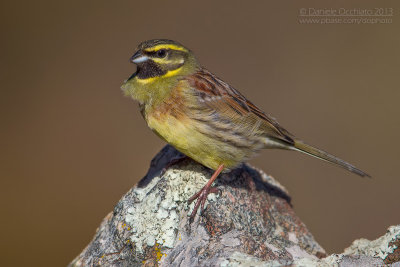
(315, 152)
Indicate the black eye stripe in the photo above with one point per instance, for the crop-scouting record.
(161, 53)
(154, 53)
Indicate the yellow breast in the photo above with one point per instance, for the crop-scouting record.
(183, 134)
(170, 121)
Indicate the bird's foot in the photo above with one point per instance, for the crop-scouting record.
(203, 193)
(201, 197)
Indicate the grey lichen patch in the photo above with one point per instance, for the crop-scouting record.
(292, 237)
(308, 262)
(378, 248)
(332, 260)
(238, 259)
(339, 260)
(271, 247)
(230, 239)
(362, 252)
(299, 253)
(155, 217)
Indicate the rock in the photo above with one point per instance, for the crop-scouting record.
(249, 223)
(384, 251)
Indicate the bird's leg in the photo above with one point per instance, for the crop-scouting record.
(203, 193)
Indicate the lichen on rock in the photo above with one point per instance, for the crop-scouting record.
(156, 214)
(249, 223)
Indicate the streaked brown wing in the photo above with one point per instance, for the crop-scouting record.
(229, 102)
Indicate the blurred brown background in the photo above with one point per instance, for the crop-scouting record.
(72, 145)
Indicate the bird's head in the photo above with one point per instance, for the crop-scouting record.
(162, 58)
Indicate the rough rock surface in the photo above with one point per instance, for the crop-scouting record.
(249, 223)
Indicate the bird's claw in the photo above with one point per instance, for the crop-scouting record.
(201, 197)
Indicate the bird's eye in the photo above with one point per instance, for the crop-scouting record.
(161, 53)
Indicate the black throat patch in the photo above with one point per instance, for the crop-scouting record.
(149, 69)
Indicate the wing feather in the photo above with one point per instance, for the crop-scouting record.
(230, 104)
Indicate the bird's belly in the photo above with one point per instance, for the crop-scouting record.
(185, 136)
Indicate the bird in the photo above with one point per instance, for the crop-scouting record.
(204, 117)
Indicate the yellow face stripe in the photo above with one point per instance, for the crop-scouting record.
(170, 73)
(165, 46)
(165, 61)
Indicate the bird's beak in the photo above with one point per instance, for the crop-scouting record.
(138, 57)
